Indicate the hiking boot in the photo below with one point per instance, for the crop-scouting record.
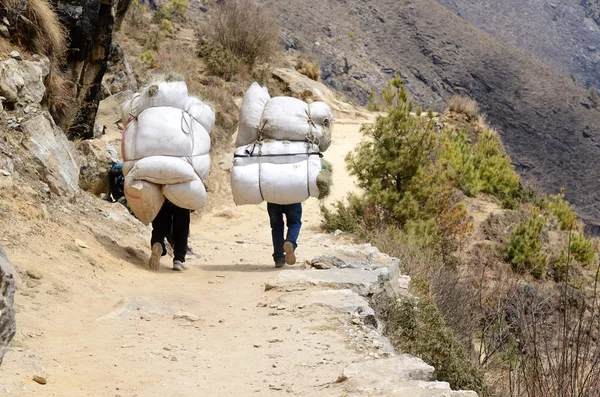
(290, 255)
(154, 262)
(279, 263)
(179, 266)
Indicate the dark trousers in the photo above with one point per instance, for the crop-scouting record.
(176, 220)
(293, 216)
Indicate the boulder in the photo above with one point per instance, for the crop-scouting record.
(97, 159)
(55, 154)
(7, 312)
(23, 81)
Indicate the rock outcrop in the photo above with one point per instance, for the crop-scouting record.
(22, 82)
(7, 313)
(98, 158)
(55, 154)
(91, 25)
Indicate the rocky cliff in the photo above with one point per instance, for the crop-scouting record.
(91, 25)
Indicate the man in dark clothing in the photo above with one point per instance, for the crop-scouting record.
(175, 220)
(284, 247)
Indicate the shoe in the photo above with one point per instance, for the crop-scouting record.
(279, 263)
(179, 266)
(290, 255)
(154, 262)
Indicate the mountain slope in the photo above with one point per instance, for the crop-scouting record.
(547, 122)
(562, 35)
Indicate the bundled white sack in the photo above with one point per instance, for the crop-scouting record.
(164, 170)
(144, 199)
(276, 172)
(283, 118)
(251, 111)
(202, 112)
(164, 131)
(189, 195)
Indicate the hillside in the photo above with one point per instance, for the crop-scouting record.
(563, 35)
(547, 122)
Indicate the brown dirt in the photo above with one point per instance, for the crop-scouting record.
(91, 258)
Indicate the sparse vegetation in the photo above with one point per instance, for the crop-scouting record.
(149, 58)
(463, 105)
(239, 30)
(524, 251)
(309, 67)
(172, 10)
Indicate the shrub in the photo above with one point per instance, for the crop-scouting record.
(524, 251)
(464, 105)
(243, 28)
(418, 327)
(172, 10)
(166, 25)
(582, 249)
(219, 60)
(373, 105)
(310, 68)
(559, 207)
(346, 217)
(149, 58)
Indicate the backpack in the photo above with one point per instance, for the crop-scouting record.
(116, 181)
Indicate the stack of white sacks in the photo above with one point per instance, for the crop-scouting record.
(165, 149)
(279, 146)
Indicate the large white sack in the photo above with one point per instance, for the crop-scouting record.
(126, 110)
(144, 199)
(279, 180)
(322, 115)
(164, 131)
(172, 94)
(202, 112)
(164, 170)
(286, 118)
(189, 195)
(251, 111)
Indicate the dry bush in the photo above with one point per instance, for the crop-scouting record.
(464, 105)
(309, 67)
(245, 28)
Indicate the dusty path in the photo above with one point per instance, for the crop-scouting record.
(110, 329)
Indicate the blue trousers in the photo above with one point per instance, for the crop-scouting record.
(293, 216)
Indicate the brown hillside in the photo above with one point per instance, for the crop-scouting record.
(548, 123)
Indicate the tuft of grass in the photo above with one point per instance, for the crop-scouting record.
(325, 179)
(464, 105)
(309, 67)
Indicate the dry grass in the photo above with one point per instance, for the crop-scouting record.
(309, 67)
(36, 27)
(464, 105)
(247, 29)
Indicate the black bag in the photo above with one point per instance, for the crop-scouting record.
(116, 181)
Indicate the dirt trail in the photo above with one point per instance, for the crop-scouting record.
(99, 324)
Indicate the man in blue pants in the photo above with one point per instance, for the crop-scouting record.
(284, 246)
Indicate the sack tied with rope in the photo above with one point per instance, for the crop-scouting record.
(166, 146)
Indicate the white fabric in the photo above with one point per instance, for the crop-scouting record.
(126, 114)
(283, 118)
(286, 179)
(144, 199)
(171, 94)
(251, 111)
(165, 170)
(202, 112)
(164, 131)
(190, 195)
